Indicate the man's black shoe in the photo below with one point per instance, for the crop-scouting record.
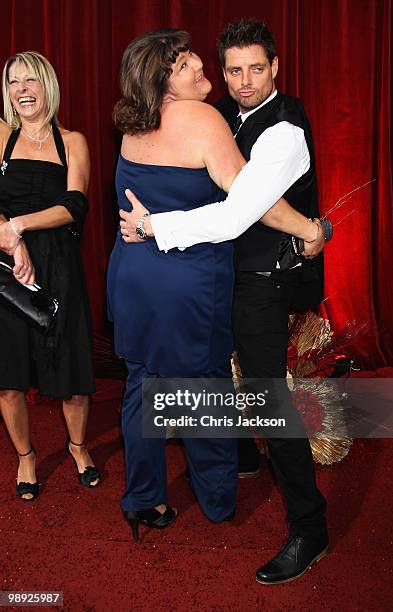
(295, 557)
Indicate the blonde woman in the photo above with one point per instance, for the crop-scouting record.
(44, 175)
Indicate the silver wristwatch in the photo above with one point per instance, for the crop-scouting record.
(139, 229)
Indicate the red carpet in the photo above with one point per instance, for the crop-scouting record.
(76, 540)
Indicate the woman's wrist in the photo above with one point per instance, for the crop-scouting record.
(18, 225)
(16, 230)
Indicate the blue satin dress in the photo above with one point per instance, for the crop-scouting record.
(172, 318)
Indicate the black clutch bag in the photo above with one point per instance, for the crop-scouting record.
(31, 301)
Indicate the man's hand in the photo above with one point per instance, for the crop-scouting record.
(130, 219)
(8, 238)
(312, 249)
(23, 267)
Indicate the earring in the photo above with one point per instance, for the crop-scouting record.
(14, 111)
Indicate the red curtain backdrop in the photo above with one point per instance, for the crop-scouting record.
(334, 54)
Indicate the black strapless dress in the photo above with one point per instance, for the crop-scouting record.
(60, 364)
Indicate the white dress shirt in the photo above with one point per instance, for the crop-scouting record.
(278, 158)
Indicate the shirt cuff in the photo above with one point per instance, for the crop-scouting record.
(164, 226)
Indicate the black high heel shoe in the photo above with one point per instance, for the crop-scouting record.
(151, 518)
(28, 488)
(90, 473)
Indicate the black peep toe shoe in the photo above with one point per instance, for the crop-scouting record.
(27, 488)
(151, 518)
(90, 473)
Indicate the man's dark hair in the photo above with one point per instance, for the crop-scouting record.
(244, 33)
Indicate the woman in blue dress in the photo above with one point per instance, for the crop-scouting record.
(171, 311)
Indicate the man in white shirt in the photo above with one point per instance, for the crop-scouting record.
(273, 134)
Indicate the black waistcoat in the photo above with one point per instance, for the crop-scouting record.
(257, 249)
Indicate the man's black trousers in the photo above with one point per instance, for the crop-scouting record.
(261, 309)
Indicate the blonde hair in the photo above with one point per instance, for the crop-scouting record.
(39, 67)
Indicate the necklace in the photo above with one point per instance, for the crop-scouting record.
(39, 140)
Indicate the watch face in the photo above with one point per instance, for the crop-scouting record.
(139, 229)
(140, 232)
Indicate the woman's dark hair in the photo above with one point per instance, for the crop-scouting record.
(144, 72)
(244, 33)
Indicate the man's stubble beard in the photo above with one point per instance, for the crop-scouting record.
(250, 104)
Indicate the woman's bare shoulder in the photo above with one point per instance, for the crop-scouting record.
(5, 132)
(72, 138)
(194, 113)
(5, 129)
